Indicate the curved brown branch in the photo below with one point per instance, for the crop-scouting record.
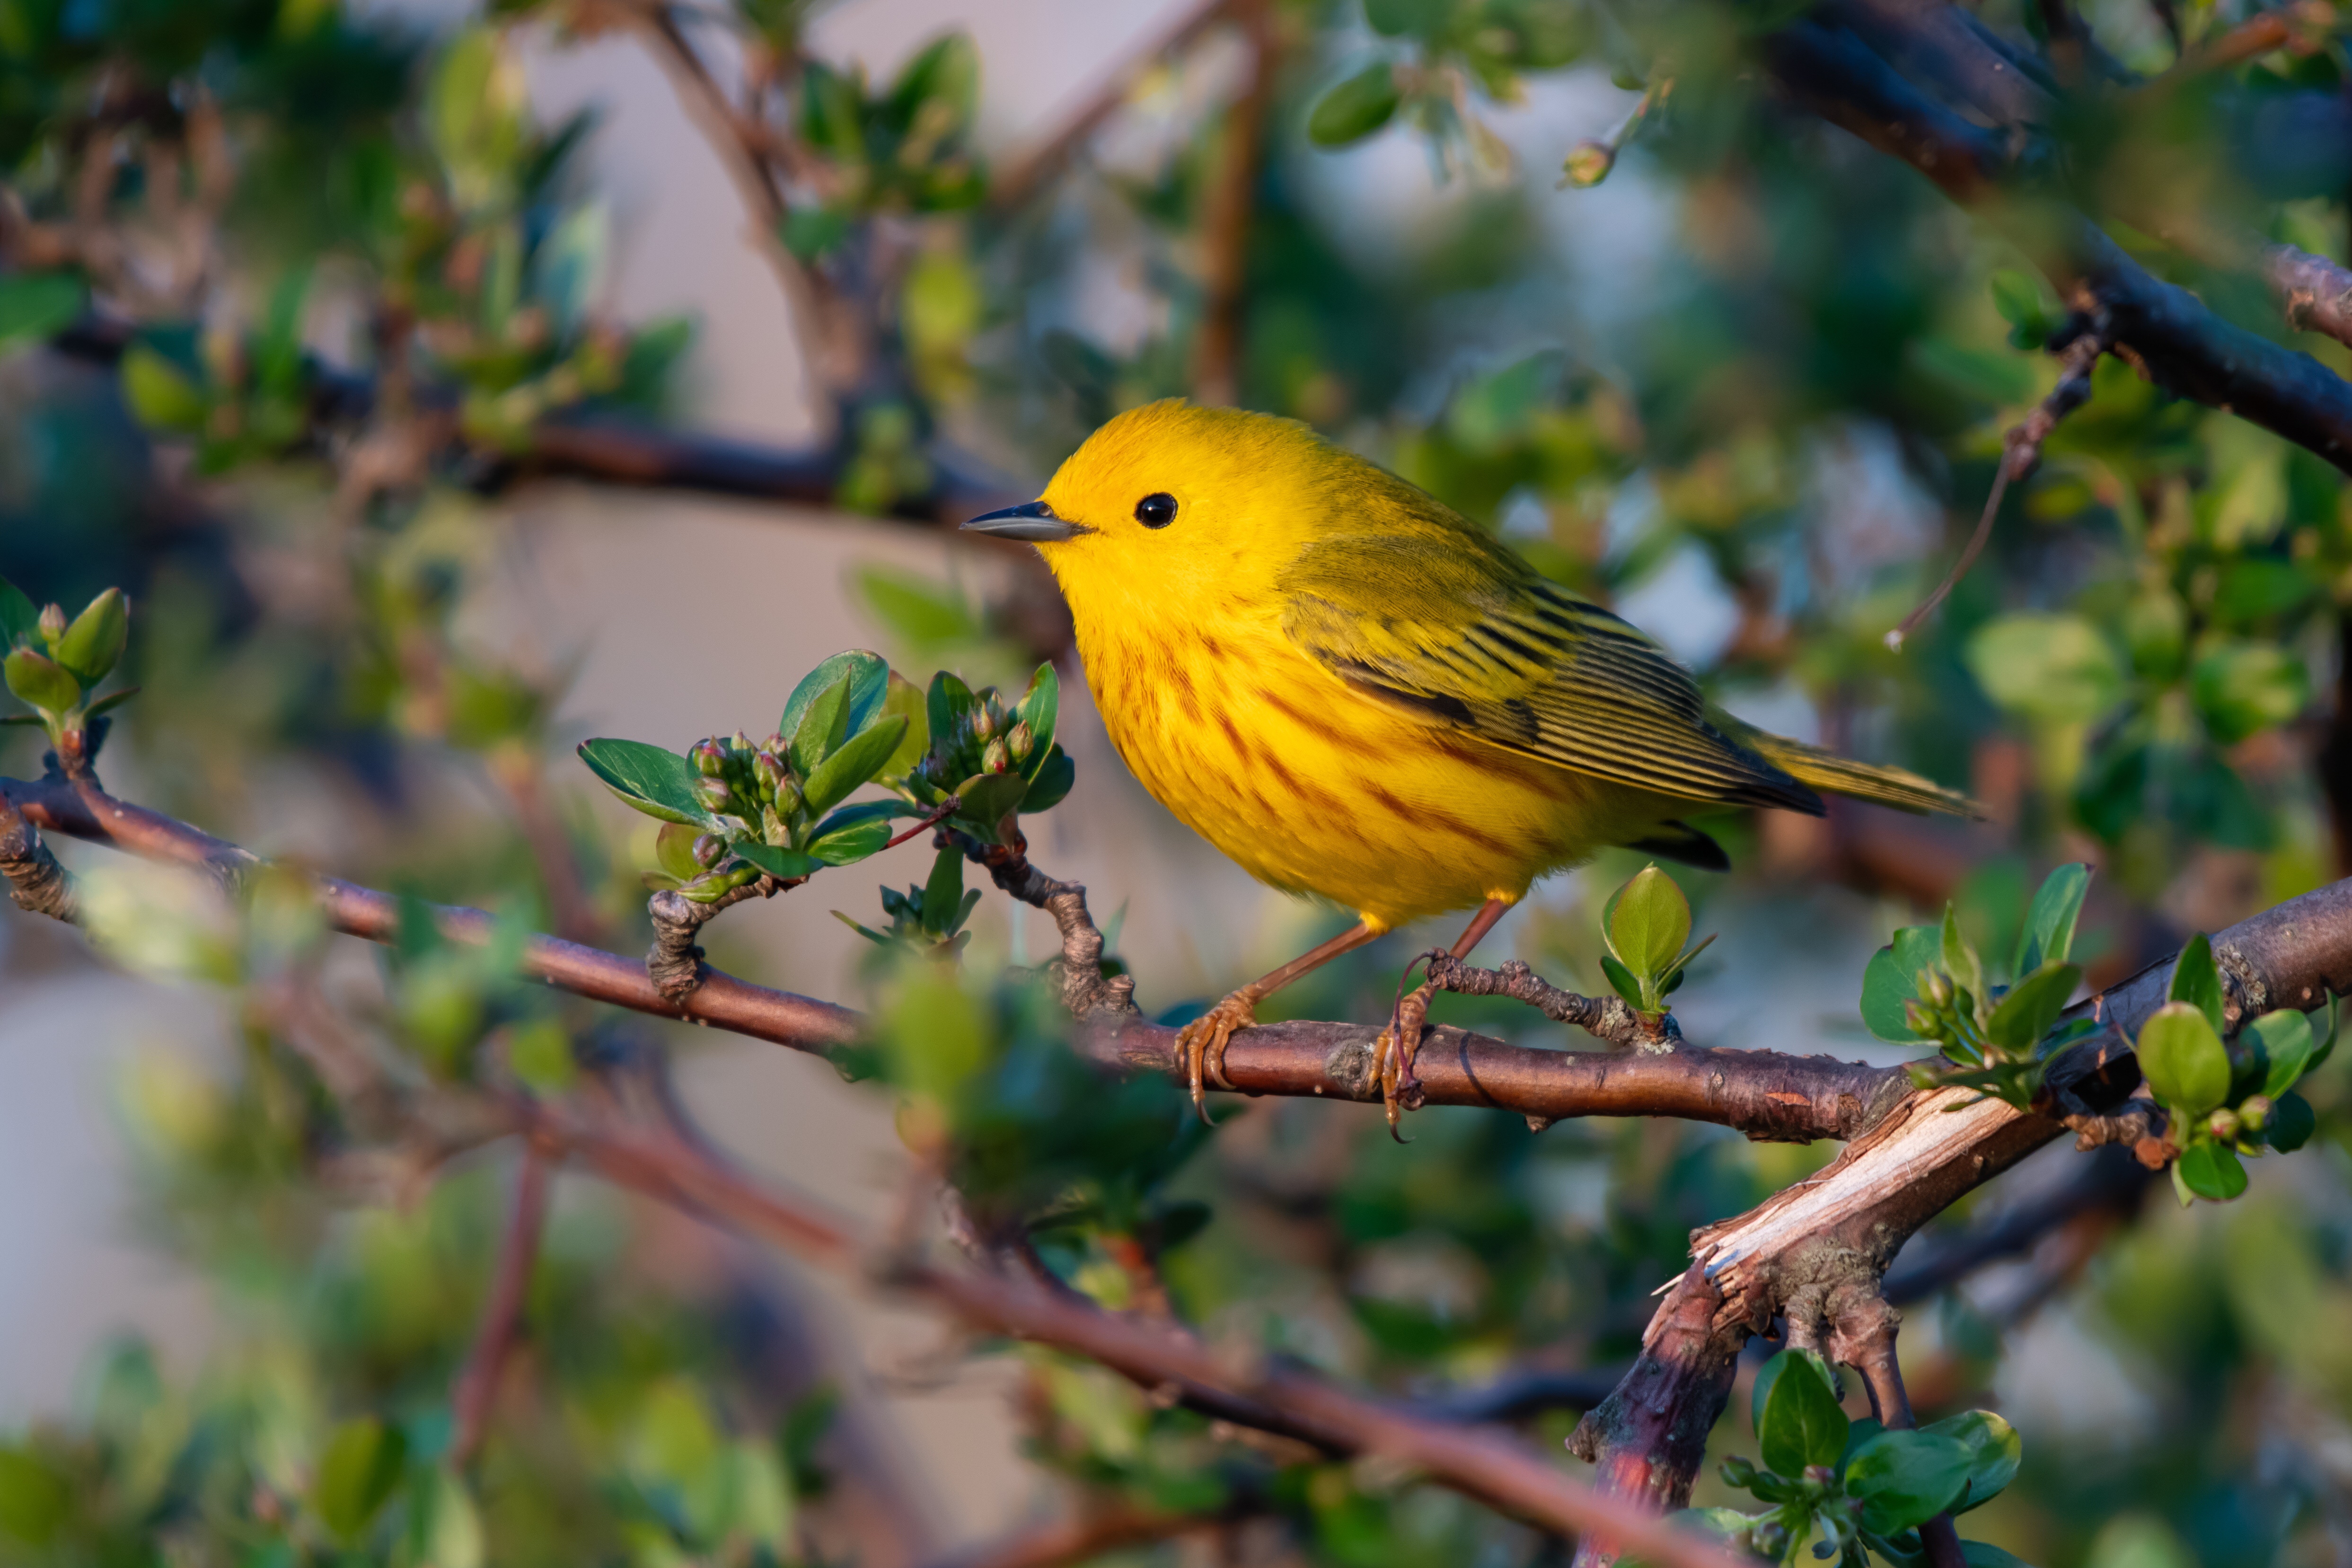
(476, 1386)
(1839, 1230)
(1083, 1537)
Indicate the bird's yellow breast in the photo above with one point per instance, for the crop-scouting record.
(1315, 788)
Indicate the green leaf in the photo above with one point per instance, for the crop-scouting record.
(901, 698)
(813, 233)
(1903, 1479)
(1994, 1451)
(2290, 1123)
(674, 850)
(33, 1498)
(1040, 710)
(2285, 1039)
(1797, 1422)
(855, 763)
(851, 842)
(1622, 981)
(819, 727)
(2023, 301)
(2058, 669)
(943, 892)
(1982, 1554)
(1647, 923)
(1959, 959)
(93, 643)
(1892, 978)
(2049, 933)
(20, 618)
(160, 395)
(2211, 1170)
(2032, 1005)
(40, 682)
(869, 683)
(540, 1053)
(38, 304)
(948, 71)
(2183, 1060)
(1354, 109)
(988, 799)
(657, 782)
(1723, 1523)
(2196, 980)
(783, 864)
(444, 1528)
(2243, 688)
(357, 1474)
(1052, 782)
(945, 706)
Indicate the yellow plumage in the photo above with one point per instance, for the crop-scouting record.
(1355, 692)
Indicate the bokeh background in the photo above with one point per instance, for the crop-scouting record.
(1747, 388)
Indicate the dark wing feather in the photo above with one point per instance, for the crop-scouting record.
(1450, 628)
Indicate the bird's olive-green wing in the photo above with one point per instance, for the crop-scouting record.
(1453, 629)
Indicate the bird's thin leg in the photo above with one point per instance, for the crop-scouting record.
(1203, 1040)
(1394, 1051)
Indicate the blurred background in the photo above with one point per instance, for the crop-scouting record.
(446, 385)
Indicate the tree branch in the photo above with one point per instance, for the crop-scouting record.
(477, 1383)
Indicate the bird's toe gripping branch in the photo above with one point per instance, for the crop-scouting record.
(1203, 1041)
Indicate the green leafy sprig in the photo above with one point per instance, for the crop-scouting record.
(735, 810)
(1863, 1490)
(2225, 1097)
(1646, 925)
(54, 666)
(927, 920)
(995, 762)
(1931, 984)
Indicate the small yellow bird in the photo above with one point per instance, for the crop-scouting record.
(1356, 692)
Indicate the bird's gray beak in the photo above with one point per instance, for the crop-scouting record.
(1032, 521)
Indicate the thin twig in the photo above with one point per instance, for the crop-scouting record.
(476, 1386)
(1225, 223)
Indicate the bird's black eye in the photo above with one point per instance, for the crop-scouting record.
(1156, 510)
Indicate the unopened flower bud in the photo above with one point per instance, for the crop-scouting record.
(53, 622)
(2256, 1111)
(1588, 164)
(2224, 1124)
(984, 722)
(714, 793)
(1919, 1015)
(772, 829)
(1820, 1475)
(1739, 1472)
(788, 796)
(1020, 742)
(707, 849)
(1938, 987)
(995, 759)
(741, 742)
(768, 770)
(708, 760)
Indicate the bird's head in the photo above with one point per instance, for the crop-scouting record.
(1174, 510)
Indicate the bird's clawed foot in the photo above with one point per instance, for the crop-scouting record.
(1393, 1054)
(1203, 1040)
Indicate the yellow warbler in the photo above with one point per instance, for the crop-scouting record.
(1356, 692)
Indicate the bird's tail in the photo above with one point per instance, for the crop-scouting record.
(1833, 774)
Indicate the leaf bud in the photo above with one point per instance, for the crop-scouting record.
(1938, 987)
(772, 829)
(1588, 164)
(2254, 1112)
(53, 622)
(714, 793)
(2224, 1123)
(707, 849)
(708, 760)
(1920, 1016)
(1738, 1472)
(995, 759)
(1020, 742)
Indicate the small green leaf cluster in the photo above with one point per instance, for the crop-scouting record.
(2225, 1097)
(1930, 984)
(994, 760)
(906, 148)
(1863, 1490)
(54, 666)
(927, 920)
(2030, 306)
(1646, 926)
(737, 810)
(1490, 41)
